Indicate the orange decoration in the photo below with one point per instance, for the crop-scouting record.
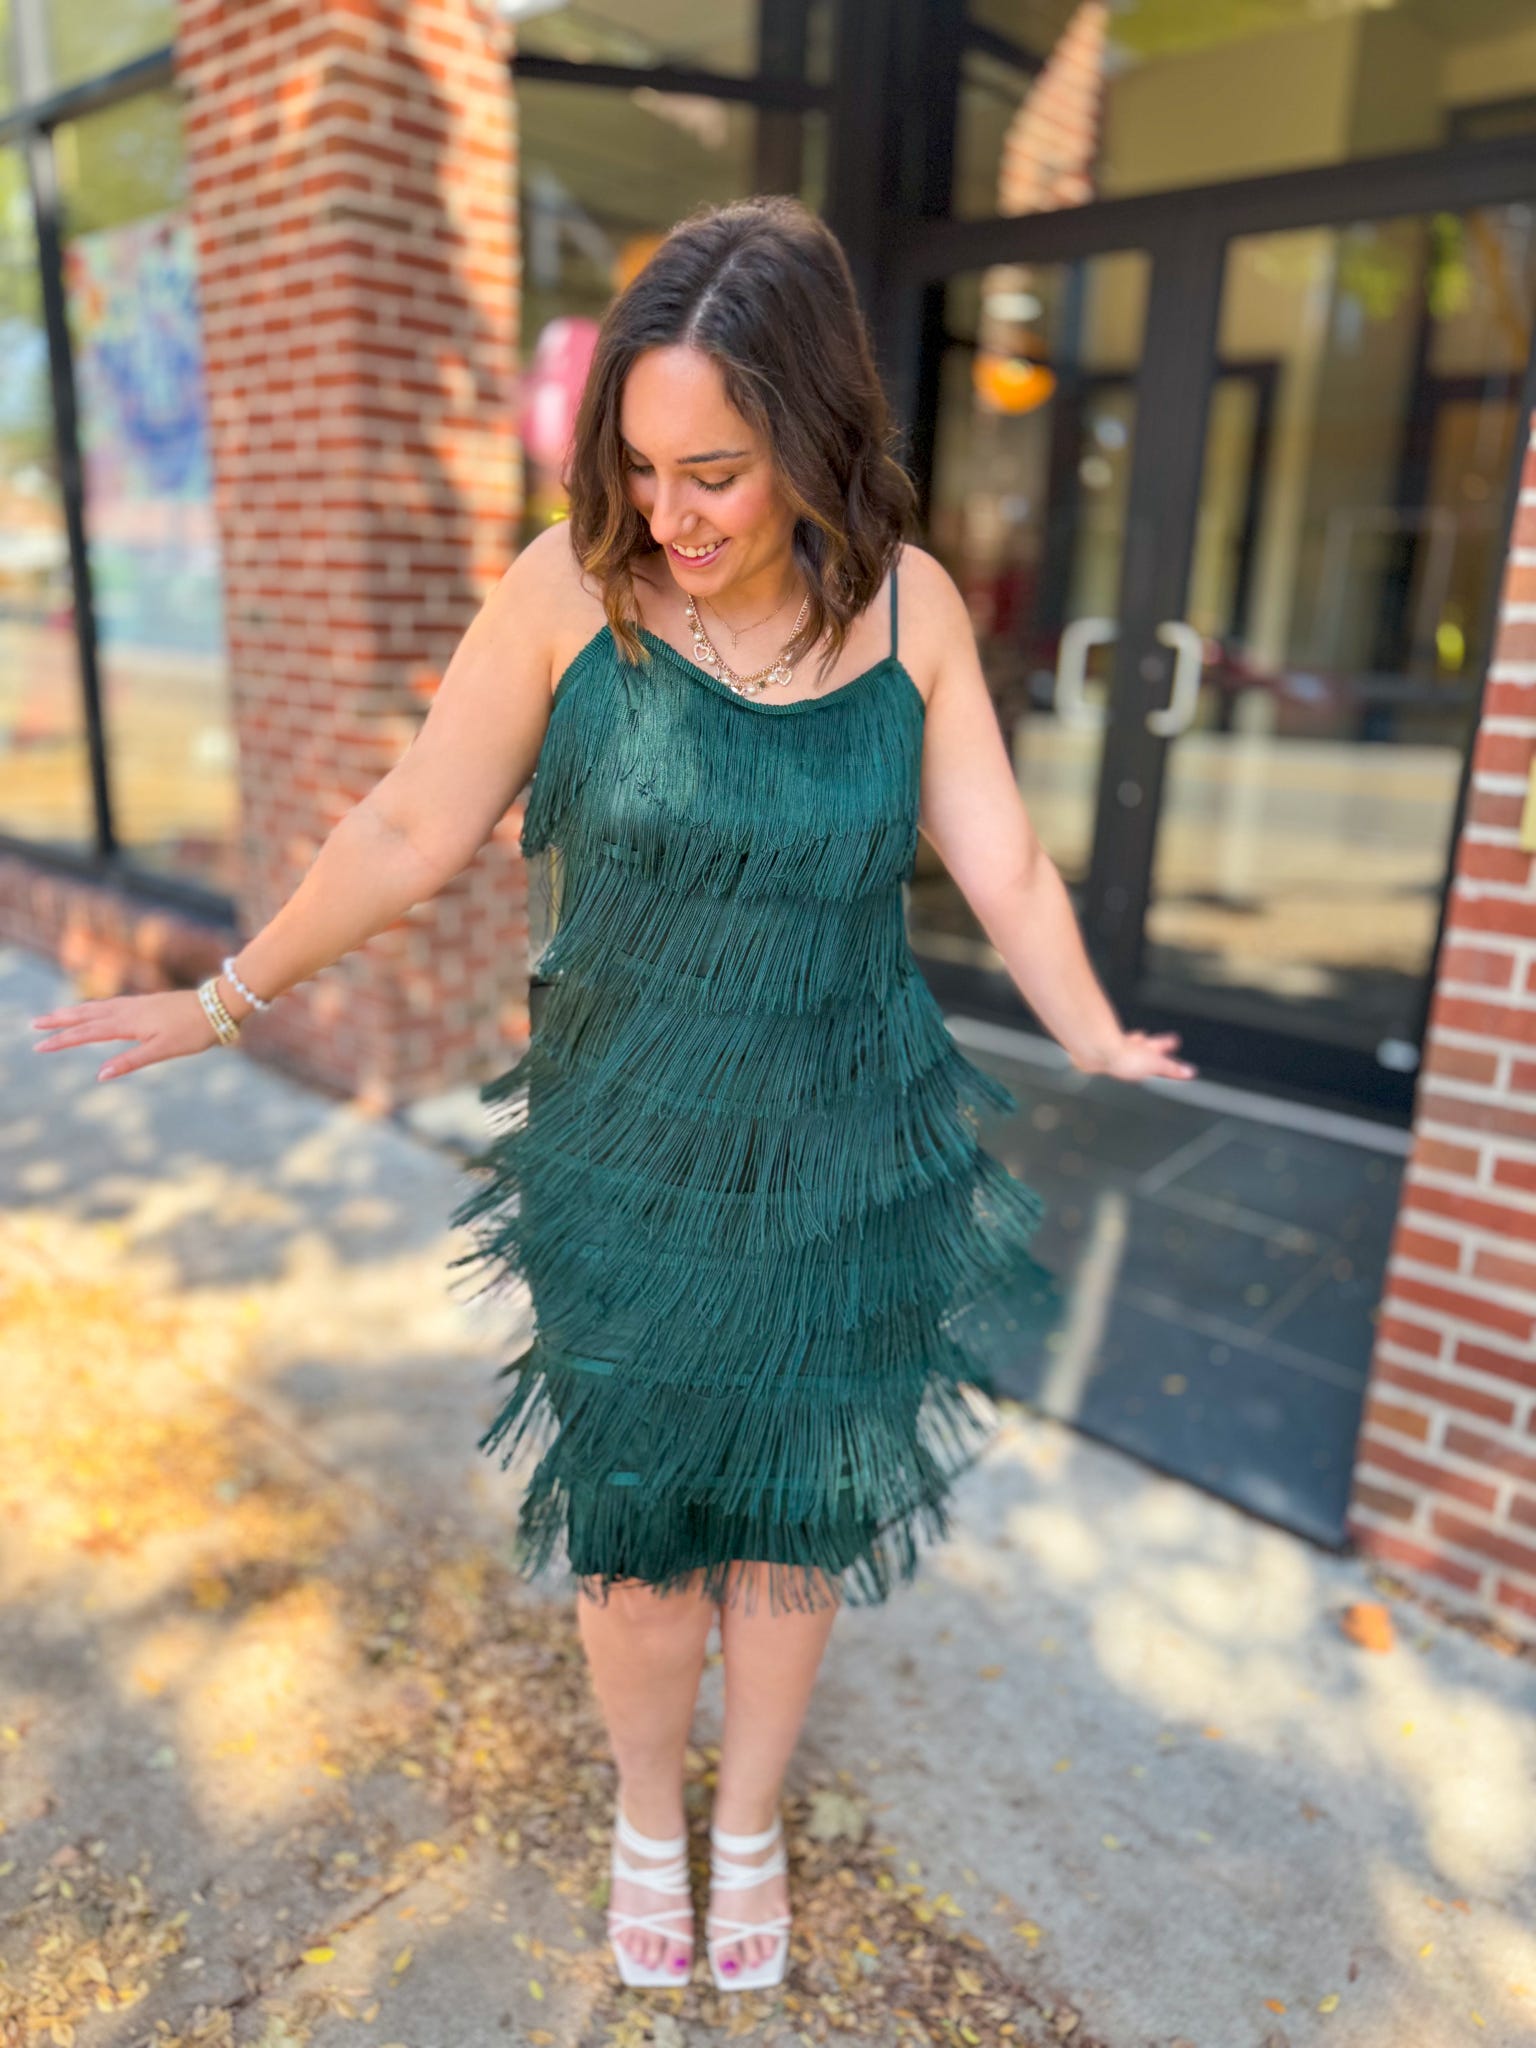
(1010, 384)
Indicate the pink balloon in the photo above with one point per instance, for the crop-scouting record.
(552, 387)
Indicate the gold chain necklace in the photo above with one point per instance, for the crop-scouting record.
(780, 670)
(737, 631)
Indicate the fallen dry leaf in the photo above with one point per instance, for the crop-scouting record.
(834, 1816)
(1369, 1624)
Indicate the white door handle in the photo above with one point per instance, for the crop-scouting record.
(1188, 662)
(1072, 706)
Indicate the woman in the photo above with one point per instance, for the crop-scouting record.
(737, 1164)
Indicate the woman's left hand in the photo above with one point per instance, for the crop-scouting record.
(1139, 1056)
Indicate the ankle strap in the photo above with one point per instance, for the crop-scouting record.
(647, 1845)
(744, 1845)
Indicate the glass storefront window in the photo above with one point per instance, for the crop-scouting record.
(85, 38)
(130, 287)
(739, 39)
(45, 792)
(1035, 436)
(603, 176)
(1362, 431)
(1150, 95)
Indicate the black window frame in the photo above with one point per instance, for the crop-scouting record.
(29, 126)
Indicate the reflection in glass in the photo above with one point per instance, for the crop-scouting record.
(991, 93)
(130, 281)
(1356, 463)
(44, 773)
(1065, 100)
(604, 175)
(85, 38)
(1034, 436)
(739, 38)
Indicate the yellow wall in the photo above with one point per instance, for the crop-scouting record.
(1361, 84)
(1234, 110)
(1396, 86)
(1498, 68)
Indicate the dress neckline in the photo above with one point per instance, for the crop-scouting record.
(758, 704)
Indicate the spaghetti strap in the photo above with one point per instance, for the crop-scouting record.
(893, 611)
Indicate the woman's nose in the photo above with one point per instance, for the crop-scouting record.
(670, 518)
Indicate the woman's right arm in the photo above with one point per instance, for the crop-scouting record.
(414, 830)
(430, 815)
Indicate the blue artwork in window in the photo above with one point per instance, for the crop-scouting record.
(132, 294)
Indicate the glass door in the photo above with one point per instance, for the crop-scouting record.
(1359, 436)
(1229, 508)
(1034, 441)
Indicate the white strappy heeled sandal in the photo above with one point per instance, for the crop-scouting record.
(671, 1877)
(723, 1928)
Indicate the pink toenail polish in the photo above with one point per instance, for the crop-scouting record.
(730, 1962)
(679, 1962)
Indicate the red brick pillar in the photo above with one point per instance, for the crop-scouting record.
(352, 178)
(1445, 1482)
(1053, 139)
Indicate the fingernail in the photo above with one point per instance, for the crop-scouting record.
(106, 1074)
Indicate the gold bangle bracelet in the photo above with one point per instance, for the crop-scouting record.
(226, 1030)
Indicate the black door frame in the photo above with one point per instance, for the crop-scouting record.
(1185, 235)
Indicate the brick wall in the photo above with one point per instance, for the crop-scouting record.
(352, 177)
(108, 943)
(1445, 1481)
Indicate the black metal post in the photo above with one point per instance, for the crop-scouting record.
(42, 172)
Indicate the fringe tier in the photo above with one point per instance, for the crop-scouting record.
(738, 1166)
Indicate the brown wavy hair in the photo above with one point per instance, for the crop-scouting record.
(762, 286)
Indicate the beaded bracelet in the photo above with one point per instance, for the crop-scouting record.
(256, 1002)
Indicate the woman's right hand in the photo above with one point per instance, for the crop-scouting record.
(1141, 1055)
(167, 1026)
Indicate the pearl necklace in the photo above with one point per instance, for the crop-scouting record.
(780, 670)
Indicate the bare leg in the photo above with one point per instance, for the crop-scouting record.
(771, 1662)
(645, 1651)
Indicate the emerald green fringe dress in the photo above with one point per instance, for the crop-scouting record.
(737, 1166)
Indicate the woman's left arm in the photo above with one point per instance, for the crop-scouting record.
(974, 817)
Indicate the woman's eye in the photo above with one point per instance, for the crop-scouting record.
(644, 469)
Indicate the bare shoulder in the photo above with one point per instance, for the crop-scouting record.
(932, 616)
(558, 604)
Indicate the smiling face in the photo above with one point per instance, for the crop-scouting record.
(701, 477)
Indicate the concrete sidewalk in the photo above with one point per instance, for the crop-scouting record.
(288, 1757)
